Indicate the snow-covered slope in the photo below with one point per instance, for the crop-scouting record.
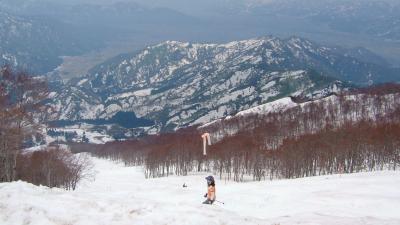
(279, 105)
(275, 106)
(121, 195)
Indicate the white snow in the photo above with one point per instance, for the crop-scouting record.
(293, 74)
(238, 77)
(275, 106)
(210, 116)
(113, 108)
(35, 148)
(121, 195)
(43, 147)
(82, 82)
(143, 93)
(138, 93)
(268, 85)
(235, 94)
(93, 137)
(52, 94)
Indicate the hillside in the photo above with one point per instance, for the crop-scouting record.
(330, 112)
(177, 84)
(288, 138)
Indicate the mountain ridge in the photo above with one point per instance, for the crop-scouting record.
(178, 84)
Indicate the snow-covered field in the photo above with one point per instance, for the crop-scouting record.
(81, 130)
(121, 195)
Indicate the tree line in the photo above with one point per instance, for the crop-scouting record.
(346, 133)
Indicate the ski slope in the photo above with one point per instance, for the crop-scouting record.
(121, 195)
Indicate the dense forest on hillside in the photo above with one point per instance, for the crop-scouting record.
(345, 133)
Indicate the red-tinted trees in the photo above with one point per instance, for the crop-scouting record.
(54, 167)
(21, 107)
(344, 133)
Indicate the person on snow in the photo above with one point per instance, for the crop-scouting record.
(210, 195)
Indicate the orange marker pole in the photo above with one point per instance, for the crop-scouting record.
(206, 138)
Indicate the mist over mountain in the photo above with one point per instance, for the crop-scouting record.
(35, 44)
(70, 30)
(109, 28)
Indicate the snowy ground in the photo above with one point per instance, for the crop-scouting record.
(121, 195)
(81, 130)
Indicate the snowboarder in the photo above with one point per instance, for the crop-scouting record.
(210, 195)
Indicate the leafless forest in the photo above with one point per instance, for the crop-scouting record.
(346, 133)
(22, 111)
(343, 133)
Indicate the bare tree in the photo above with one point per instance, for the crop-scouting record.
(55, 167)
(347, 133)
(21, 99)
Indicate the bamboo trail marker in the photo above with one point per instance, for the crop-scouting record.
(206, 138)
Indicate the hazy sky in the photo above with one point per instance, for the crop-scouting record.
(203, 6)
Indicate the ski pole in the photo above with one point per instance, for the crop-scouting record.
(220, 202)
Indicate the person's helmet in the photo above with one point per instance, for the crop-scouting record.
(210, 180)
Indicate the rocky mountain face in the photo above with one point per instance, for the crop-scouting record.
(178, 84)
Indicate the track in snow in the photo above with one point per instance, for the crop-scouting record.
(121, 195)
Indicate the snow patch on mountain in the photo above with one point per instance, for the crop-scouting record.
(82, 81)
(138, 93)
(275, 106)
